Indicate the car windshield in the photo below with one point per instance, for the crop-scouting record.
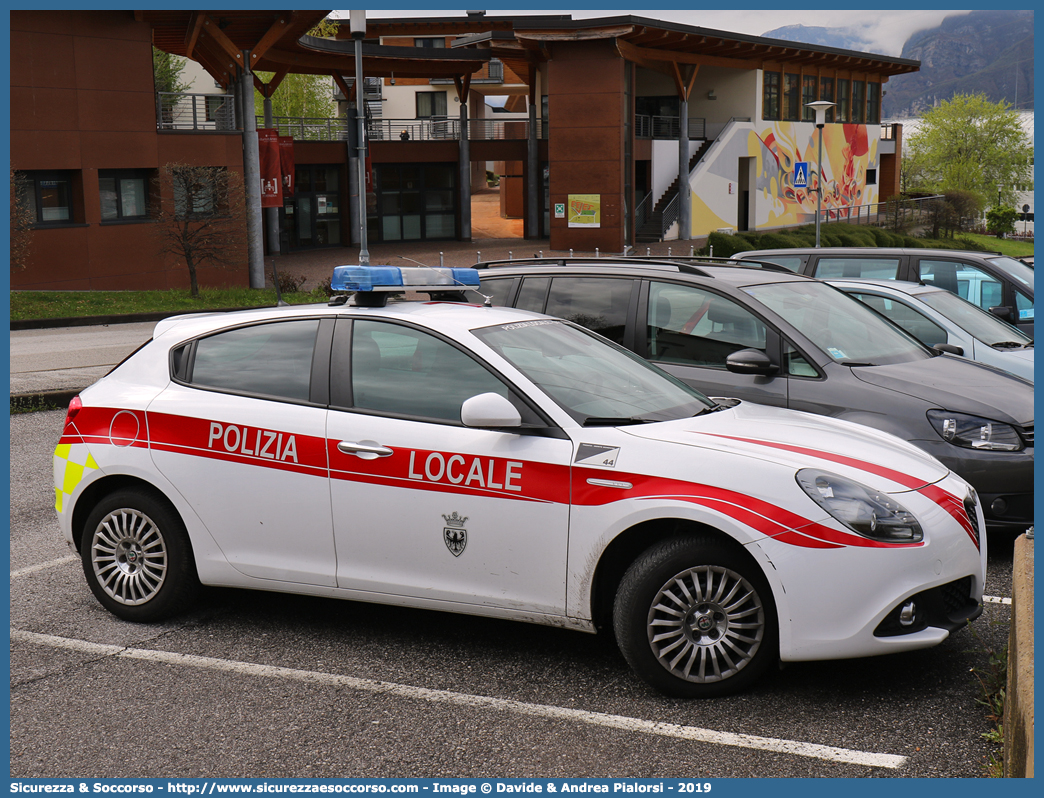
(1016, 269)
(595, 381)
(843, 327)
(973, 319)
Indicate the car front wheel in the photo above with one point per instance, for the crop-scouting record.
(694, 618)
(137, 557)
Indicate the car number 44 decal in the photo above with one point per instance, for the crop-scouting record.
(591, 454)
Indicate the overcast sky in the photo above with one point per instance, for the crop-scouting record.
(884, 30)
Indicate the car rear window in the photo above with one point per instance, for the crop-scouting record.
(867, 268)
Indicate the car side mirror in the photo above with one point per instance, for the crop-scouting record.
(489, 410)
(750, 361)
(1002, 312)
(949, 349)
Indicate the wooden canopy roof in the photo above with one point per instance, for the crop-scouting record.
(277, 41)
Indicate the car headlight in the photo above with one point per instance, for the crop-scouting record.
(972, 432)
(866, 511)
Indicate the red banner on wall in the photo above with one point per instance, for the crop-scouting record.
(286, 164)
(271, 174)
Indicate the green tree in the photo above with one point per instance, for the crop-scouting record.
(167, 69)
(970, 144)
(1001, 220)
(301, 95)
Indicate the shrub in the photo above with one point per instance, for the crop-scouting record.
(288, 283)
(725, 245)
(777, 241)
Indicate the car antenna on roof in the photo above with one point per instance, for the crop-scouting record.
(487, 300)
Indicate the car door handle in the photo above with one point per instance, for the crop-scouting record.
(366, 450)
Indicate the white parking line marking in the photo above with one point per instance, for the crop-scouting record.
(620, 722)
(31, 569)
(995, 600)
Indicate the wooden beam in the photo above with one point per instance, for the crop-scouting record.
(272, 35)
(215, 34)
(192, 31)
(341, 83)
(463, 85)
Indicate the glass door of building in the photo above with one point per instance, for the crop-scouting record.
(313, 214)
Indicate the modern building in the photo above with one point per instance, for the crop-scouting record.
(591, 123)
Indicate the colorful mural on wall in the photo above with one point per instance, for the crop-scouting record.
(773, 201)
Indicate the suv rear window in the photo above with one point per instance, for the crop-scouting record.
(868, 268)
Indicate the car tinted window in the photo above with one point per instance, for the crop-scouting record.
(266, 359)
(838, 324)
(533, 294)
(500, 290)
(597, 303)
(697, 327)
(868, 268)
(1024, 306)
(914, 322)
(967, 281)
(397, 369)
(792, 262)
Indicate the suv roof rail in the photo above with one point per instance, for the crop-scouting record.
(715, 260)
(682, 263)
(583, 260)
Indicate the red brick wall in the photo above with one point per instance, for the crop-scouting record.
(83, 99)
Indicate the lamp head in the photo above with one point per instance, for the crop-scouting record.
(357, 24)
(820, 107)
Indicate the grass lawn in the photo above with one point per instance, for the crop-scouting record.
(69, 304)
(1006, 246)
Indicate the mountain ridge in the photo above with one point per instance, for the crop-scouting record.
(988, 52)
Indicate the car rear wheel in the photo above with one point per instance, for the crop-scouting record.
(137, 557)
(694, 618)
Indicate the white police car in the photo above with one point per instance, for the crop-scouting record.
(498, 462)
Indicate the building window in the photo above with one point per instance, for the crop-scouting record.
(858, 105)
(826, 92)
(50, 197)
(770, 96)
(430, 41)
(808, 95)
(871, 177)
(791, 97)
(842, 101)
(124, 194)
(431, 104)
(873, 103)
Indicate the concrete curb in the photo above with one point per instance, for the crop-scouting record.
(1018, 706)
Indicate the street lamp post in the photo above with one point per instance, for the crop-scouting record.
(820, 107)
(357, 26)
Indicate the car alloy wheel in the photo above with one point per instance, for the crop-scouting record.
(706, 624)
(129, 556)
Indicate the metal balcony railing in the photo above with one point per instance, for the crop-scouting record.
(447, 129)
(309, 128)
(666, 127)
(210, 112)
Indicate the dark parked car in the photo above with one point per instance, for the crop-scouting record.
(762, 334)
(997, 283)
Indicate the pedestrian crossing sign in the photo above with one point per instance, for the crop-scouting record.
(801, 174)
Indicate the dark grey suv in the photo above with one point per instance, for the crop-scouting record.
(763, 334)
(997, 283)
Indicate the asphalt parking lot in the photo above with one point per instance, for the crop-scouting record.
(268, 685)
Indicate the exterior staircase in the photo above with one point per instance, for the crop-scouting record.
(654, 228)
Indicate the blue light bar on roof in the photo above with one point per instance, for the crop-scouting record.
(402, 278)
